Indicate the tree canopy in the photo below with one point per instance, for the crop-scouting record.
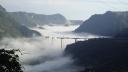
(9, 61)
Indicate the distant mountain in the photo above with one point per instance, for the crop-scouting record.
(107, 24)
(32, 19)
(76, 22)
(10, 28)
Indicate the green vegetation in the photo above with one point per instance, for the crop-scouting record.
(121, 70)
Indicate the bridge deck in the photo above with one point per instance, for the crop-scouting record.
(61, 39)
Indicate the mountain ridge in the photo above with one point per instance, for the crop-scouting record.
(33, 19)
(10, 28)
(107, 24)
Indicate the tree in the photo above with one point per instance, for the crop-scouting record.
(9, 61)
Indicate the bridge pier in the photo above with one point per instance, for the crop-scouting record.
(61, 42)
(75, 40)
(61, 39)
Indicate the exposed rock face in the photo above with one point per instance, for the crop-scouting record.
(32, 19)
(107, 24)
(10, 28)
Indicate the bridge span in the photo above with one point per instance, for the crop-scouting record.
(62, 38)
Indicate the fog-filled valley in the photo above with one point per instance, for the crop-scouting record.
(40, 54)
(37, 42)
(40, 46)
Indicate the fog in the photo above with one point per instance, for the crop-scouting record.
(41, 54)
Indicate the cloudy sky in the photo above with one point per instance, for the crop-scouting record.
(71, 9)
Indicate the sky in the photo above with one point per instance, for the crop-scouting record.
(71, 9)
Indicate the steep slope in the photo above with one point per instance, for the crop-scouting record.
(107, 24)
(122, 34)
(100, 55)
(32, 19)
(10, 28)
